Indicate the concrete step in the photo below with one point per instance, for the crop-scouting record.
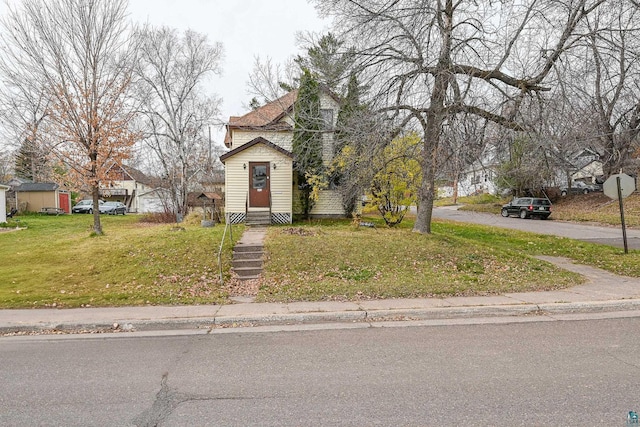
(247, 272)
(247, 254)
(258, 223)
(241, 263)
(247, 247)
(258, 218)
(248, 277)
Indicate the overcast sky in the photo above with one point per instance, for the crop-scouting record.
(246, 28)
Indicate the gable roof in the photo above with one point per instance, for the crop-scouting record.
(255, 141)
(198, 198)
(127, 173)
(37, 186)
(267, 117)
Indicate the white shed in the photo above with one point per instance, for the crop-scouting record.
(3, 202)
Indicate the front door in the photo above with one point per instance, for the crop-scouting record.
(259, 187)
(64, 203)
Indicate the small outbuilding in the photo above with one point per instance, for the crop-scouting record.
(37, 196)
(3, 202)
(207, 203)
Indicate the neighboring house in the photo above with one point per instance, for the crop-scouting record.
(33, 196)
(3, 202)
(139, 192)
(259, 175)
(586, 167)
(478, 178)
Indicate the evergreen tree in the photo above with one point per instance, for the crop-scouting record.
(30, 162)
(307, 138)
(329, 61)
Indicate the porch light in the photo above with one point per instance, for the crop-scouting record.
(274, 166)
(244, 166)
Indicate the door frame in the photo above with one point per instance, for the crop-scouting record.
(259, 197)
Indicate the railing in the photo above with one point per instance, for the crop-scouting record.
(227, 225)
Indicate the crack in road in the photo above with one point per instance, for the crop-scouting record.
(167, 400)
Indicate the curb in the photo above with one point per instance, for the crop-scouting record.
(506, 312)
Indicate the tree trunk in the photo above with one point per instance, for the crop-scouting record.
(95, 192)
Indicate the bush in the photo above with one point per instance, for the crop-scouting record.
(159, 218)
(193, 218)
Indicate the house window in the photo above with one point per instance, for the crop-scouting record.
(327, 118)
(259, 177)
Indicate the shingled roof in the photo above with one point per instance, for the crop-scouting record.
(267, 117)
(255, 141)
(37, 186)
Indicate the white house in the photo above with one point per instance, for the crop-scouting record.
(259, 176)
(478, 178)
(586, 167)
(132, 187)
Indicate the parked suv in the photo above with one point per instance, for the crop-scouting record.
(526, 207)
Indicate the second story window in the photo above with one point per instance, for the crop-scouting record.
(327, 119)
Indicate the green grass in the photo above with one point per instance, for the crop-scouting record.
(56, 262)
(479, 201)
(340, 262)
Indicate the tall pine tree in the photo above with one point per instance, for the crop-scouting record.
(307, 138)
(330, 61)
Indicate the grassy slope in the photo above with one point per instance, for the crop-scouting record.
(55, 262)
(594, 207)
(344, 263)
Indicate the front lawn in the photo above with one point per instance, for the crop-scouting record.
(55, 262)
(340, 262)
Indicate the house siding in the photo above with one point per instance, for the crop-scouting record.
(281, 139)
(237, 177)
(135, 189)
(3, 203)
(33, 201)
(329, 204)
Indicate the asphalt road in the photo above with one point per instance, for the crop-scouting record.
(589, 233)
(539, 373)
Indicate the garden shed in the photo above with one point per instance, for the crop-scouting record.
(34, 196)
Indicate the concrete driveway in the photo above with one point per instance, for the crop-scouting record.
(589, 233)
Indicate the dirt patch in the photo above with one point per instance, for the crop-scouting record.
(299, 231)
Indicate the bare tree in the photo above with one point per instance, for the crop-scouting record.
(608, 83)
(269, 81)
(79, 52)
(6, 164)
(172, 70)
(23, 114)
(429, 60)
